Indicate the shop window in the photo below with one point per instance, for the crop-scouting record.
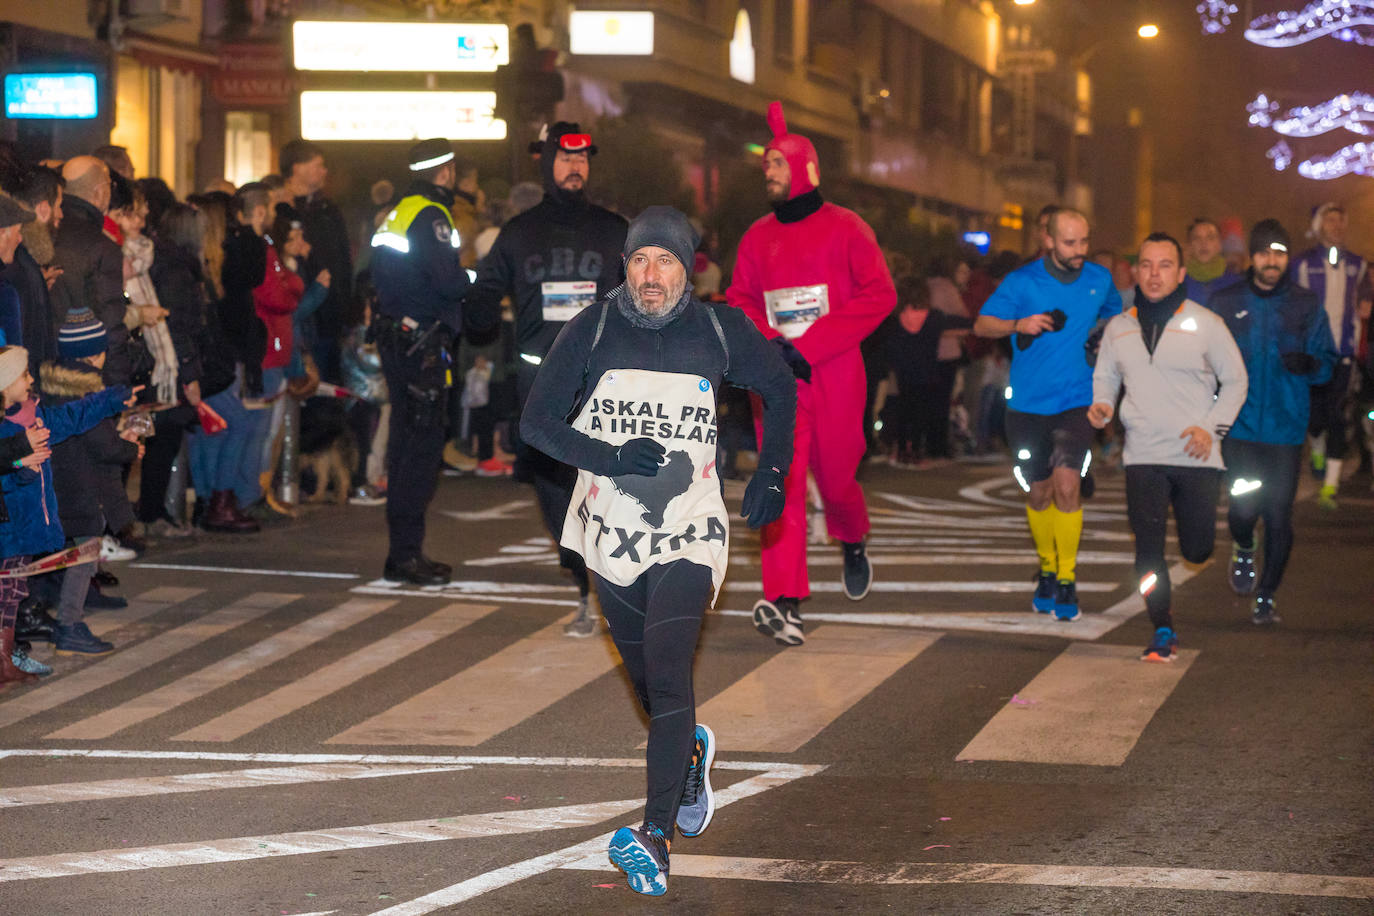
(247, 146)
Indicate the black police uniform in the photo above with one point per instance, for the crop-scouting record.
(537, 258)
(420, 291)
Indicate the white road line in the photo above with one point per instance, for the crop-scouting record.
(973, 557)
(928, 504)
(223, 672)
(1011, 586)
(100, 790)
(466, 596)
(1089, 706)
(789, 770)
(140, 656)
(512, 509)
(249, 572)
(306, 842)
(491, 696)
(145, 605)
(794, 871)
(785, 702)
(337, 675)
(519, 871)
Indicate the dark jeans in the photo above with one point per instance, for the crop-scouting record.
(655, 622)
(1192, 492)
(1276, 468)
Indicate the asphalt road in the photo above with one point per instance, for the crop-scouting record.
(278, 733)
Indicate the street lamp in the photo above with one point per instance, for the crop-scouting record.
(1148, 30)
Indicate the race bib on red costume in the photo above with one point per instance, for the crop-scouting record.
(623, 525)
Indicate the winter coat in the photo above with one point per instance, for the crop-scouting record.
(93, 277)
(77, 462)
(39, 334)
(13, 448)
(180, 284)
(245, 266)
(330, 249)
(1265, 325)
(274, 301)
(34, 526)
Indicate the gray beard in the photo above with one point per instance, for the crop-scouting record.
(671, 299)
(37, 238)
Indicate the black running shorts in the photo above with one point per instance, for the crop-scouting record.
(1041, 442)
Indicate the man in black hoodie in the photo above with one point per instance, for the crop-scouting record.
(554, 260)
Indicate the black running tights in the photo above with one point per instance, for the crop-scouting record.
(1276, 468)
(1150, 490)
(655, 622)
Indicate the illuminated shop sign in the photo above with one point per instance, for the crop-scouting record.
(50, 95)
(979, 240)
(610, 33)
(400, 116)
(416, 47)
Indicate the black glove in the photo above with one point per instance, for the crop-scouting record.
(763, 498)
(638, 456)
(1299, 363)
(1057, 316)
(792, 356)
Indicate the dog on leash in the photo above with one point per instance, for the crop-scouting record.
(329, 450)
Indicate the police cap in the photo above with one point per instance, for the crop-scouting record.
(430, 154)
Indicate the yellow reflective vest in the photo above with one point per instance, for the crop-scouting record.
(392, 232)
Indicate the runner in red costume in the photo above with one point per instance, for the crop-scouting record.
(813, 279)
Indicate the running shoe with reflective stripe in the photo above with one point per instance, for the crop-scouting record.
(1264, 614)
(698, 803)
(1163, 648)
(642, 853)
(782, 621)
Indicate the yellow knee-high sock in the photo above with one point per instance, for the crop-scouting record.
(1042, 526)
(1068, 530)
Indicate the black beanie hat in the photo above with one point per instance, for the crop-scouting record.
(664, 227)
(1269, 233)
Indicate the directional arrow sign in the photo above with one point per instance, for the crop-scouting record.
(415, 47)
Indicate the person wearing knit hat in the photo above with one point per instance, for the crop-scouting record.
(640, 372)
(1341, 280)
(81, 335)
(553, 260)
(1285, 339)
(814, 281)
(13, 215)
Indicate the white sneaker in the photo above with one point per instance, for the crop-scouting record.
(781, 621)
(112, 552)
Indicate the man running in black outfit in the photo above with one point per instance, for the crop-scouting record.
(641, 372)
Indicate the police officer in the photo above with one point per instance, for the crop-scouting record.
(420, 289)
(553, 260)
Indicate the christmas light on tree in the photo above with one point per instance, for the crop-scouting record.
(1352, 111)
(1215, 15)
(1346, 20)
(1281, 154)
(1355, 159)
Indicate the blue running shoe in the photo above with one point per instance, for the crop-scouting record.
(1043, 601)
(1066, 601)
(698, 803)
(1243, 571)
(642, 853)
(1163, 648)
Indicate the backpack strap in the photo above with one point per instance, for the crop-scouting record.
(720, 333)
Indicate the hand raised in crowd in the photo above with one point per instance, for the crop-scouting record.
(323, 278)
(50, 275)
(132, 399)
(1199, 443)
(1100, 414)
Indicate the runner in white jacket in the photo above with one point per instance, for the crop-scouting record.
(1171, 354)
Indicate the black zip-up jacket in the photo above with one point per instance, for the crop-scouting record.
(245, 265)
(178, 277)
(327, 231)
(550, 242)
(93, 277)
(428, 282)
(687, 344)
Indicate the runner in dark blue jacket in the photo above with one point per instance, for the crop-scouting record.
(1285, 337)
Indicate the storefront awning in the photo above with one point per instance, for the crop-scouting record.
(152, 51)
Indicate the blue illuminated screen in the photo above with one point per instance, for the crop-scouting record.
(50, 95)
(980, 240)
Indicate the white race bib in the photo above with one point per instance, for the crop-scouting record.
(623, 525)
(794, 309)
(564, 299)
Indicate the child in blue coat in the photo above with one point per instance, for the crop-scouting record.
(33, 527)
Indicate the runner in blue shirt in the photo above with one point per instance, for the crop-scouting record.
(1050, 307)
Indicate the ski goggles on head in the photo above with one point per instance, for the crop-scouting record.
(575, 143)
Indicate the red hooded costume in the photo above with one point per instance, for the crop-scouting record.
(813, 272)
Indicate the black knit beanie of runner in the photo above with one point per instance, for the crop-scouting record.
(664, 227)
(1269, 233)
